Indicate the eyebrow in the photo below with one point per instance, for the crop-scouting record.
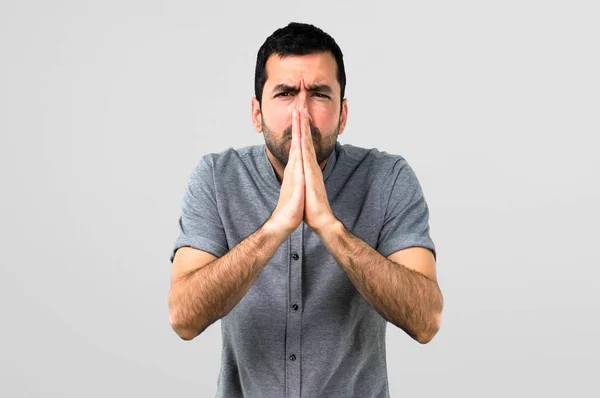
(322, 88)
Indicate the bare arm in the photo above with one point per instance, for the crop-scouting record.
(405, 297)
(208, 292)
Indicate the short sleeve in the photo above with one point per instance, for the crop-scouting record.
(200, 225)
(406, 220)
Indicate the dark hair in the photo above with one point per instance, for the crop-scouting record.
(296, 39)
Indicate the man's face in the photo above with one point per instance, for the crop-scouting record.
(296, 82)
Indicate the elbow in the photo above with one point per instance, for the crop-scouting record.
(424, 338)
(426, 335)
(185, 333)
(181, 328)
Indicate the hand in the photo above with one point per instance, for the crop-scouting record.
(290, 208)
(317, 212)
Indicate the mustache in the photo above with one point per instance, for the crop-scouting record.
(314, 131)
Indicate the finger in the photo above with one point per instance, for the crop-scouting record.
(310, 138)
(301, 125)
(308, 146)
(308, 158)
(295, 155)
(295, 148)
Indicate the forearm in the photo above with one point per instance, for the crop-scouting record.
(205, 295)
(404, 297)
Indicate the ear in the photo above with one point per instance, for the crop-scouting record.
(343, 116)
(256, 116)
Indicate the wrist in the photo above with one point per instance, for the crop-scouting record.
(328, 228)
(274, 228)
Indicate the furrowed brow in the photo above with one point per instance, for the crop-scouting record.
(321, 88)
(286, 88)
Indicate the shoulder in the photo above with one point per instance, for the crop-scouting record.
(374, 160)
(230, 159)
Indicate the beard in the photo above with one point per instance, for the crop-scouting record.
(280, 149)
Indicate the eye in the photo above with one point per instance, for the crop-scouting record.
(283, 94)
(321, 95)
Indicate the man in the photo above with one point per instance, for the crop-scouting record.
(303, 247)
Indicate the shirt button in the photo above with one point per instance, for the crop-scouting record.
(295, 307)
(292, 357)
(295, 256)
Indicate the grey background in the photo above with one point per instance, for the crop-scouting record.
(105, 108)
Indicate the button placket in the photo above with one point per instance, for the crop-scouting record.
(294, 318)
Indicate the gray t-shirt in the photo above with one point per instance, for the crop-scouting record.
(303, 330)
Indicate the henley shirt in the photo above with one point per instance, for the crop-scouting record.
(303, 329)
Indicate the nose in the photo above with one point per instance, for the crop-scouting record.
(301, 100)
